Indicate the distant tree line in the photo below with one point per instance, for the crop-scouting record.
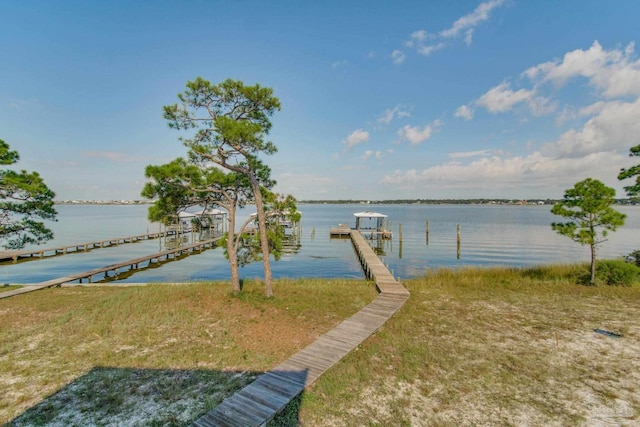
(447, 201)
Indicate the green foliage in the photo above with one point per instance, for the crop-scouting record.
(230, 123)
(231, 120)
(617, 272)
(588, 207)
(24, 200)
(634, 257)
(633, 191)
(170, 184)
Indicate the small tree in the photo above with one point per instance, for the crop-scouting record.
(178, 185)
(633, 191)
(231, 121)
(24, 199)
(588, 206)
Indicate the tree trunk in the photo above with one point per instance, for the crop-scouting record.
(232, 252)
(593, 264)
(264, 243)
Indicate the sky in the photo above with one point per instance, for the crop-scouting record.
(381, 100)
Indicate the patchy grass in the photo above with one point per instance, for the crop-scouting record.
(6, 287)
(157, 354)
(485, 347)
(476, 347)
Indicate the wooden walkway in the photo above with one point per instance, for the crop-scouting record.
(262, 400)
(113, 268)
(41, 253)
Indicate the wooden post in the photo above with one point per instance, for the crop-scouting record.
(400, 231)
(427, 231)
(458, 241)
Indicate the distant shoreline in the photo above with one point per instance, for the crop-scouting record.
(482, 201)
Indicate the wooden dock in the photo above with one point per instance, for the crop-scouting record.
(262, 400)
(41, 253)
(114, 269)
(343, 231)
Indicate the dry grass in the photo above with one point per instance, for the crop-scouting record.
(153, 355)
(492, 347)
(477, 347)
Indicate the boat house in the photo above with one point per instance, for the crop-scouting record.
(373, 224)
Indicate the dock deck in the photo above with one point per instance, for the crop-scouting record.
(41, 253)
(114, 268)
(262, 400)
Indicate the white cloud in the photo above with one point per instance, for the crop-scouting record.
(592, 109)
(426, 50)
(416, 135)
(467, 154)
(370, 153)
(464, 25)
(615, 128)
(613, 73)
(497, 176)
(398, 56)
(541, 106)
(479, 15)
(416, 38)
(468, 37)
(597, 149)
(501, 98)
(464, 112)
(389, 114)
(356, 137)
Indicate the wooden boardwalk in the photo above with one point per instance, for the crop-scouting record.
(262, 400)
(114, 268)
(41, 253)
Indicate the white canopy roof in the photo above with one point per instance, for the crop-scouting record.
(211, 211)
(204, 212)
(369, 214)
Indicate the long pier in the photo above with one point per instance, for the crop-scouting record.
(41, 253)
(114, 268)
(269, 394)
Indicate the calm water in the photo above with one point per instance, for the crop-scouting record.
(491, 235)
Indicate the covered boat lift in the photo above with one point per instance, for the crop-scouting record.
(367, 222)
(211, 219)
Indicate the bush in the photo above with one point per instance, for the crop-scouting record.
(616, 272)
(634, 257)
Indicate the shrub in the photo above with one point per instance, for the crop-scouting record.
(634, 257)
(617, 272)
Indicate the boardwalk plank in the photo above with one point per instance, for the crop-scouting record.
(285, 382)
(113, 267)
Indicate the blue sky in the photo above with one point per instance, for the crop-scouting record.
(380, 99)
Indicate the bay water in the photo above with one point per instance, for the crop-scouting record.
(490, 235)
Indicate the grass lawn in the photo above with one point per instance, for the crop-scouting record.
(157, 354)
(475, 347)
(487, 347)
